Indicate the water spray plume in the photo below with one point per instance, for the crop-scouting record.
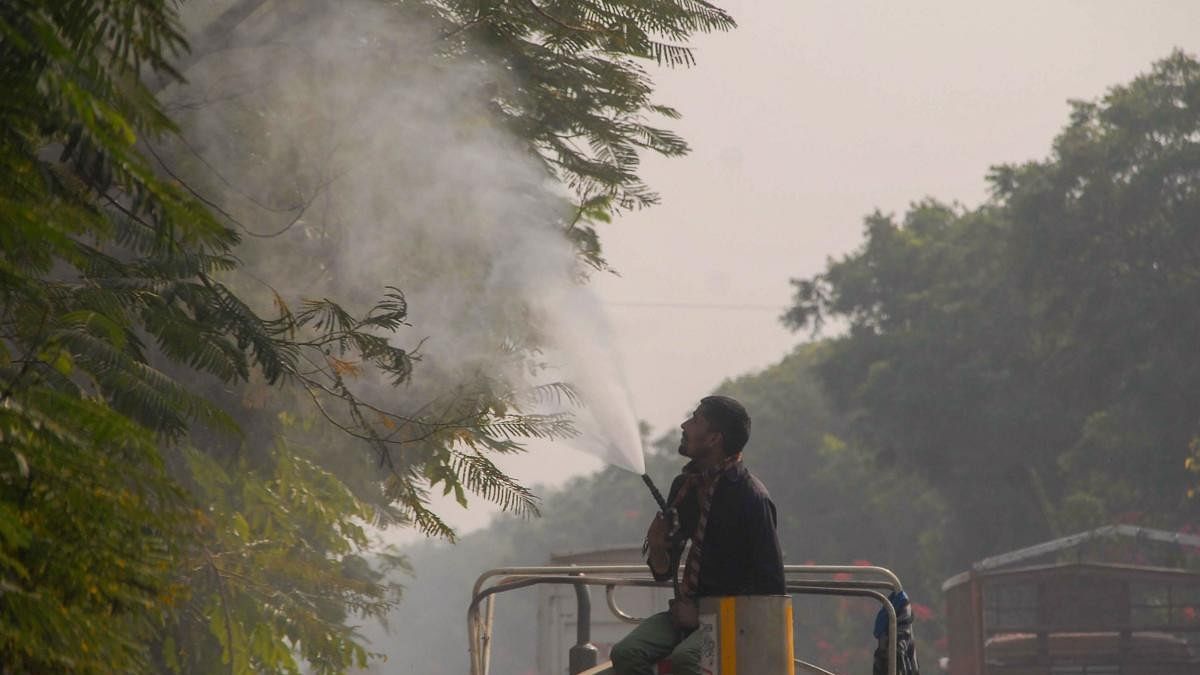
(607, 424)
(386, 141)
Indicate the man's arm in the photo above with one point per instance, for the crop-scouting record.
(767, 559)
(663, 549)
(658, 550)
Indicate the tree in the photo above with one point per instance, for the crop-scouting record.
(1027, 356)
(89, 512)
(143, 523)
(931, 373)
(580, 80)
(1106, 238)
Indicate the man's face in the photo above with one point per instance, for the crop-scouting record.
(699, 440)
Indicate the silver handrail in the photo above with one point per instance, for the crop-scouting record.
(490, 615)
(610, 597)
(852, 570)
(812, 667)
(640, 569)
(883, 600)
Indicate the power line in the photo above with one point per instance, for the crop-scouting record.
(698, 305)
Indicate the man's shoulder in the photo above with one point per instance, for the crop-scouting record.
(743, 482)
(758, 486)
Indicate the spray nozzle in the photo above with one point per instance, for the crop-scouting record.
(662, 503)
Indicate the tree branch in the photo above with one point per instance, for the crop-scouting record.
(559, 22)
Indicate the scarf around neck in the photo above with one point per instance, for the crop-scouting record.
(705, 484)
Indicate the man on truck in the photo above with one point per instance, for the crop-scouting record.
(729, 520)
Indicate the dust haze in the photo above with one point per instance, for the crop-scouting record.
(354, 156)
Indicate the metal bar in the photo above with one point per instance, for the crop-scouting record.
(583, 653)
(478, 666)
(846, 583)
(648, 581)
(611, 598)
(473, 647)
(883, 599)
(846, 569)
(812, 668)
(583, 614)
(556, 569)
(642, 569)
(488, 616)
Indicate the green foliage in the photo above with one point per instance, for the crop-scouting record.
(1034, 357)
(580, 93)
(86, 550)
(150, 521)
(92, 241)
(279, 572)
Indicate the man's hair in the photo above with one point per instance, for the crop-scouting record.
(729, 418)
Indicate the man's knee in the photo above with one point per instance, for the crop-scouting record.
(627, 656)
(637, 652)
(685, 659)
(685, 662)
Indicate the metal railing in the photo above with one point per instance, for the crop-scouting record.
(799, 580)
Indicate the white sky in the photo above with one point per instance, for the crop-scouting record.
(803, 120)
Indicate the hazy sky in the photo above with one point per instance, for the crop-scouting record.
(806, 118)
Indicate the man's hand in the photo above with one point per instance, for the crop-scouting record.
(656, 535)
(685, 614)
(657, 546)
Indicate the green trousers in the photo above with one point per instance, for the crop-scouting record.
(653, 640)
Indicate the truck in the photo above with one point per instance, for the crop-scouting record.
(1116, 600)
(747, 634)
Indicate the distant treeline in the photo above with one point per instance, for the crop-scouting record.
(1035, 359)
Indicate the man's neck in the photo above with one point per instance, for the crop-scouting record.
(709, 462)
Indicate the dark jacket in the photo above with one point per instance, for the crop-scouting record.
(741, 553)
